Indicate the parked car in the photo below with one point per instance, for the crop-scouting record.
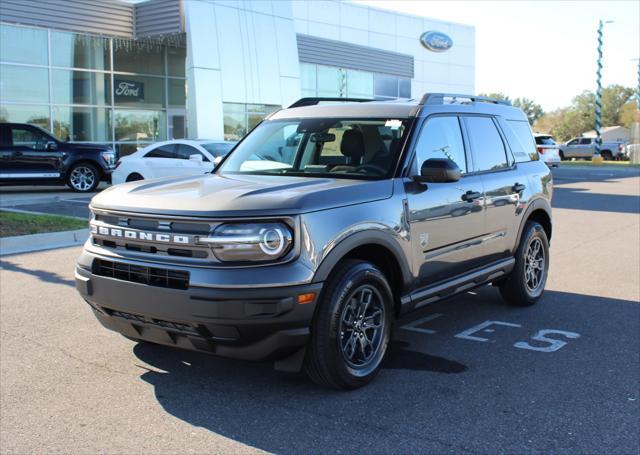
(29, 155)
(548, 150)
(307, 258)
(585, 148)
(171, 158)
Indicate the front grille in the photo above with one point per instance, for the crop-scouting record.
(164, 278)
(185, 329)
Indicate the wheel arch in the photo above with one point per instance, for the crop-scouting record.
(377, 248)
(539, 210)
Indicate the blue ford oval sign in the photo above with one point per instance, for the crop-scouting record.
(436, 41)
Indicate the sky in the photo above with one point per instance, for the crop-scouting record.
(542, 50)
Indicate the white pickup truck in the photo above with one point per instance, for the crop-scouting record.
(585, 147)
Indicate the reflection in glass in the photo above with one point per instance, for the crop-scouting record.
(332, 82)
(24, 83)
(235, 125)
(139, 125)
(81, 124)
(23, 45)
(385, 86)
(144, 57)
(80, 87)
(128, 149)
(21, 113)
(308, 79)
(359, 84)
(79, 51)
(177, 95)
(176, 60)
(404, 88)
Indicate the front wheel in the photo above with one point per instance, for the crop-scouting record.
(83, 177)
(525, 284)
(351, 327)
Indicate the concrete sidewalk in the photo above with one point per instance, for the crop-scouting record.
(40, 242)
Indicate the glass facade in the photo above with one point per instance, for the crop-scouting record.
(329, 81)
(239, 118)
(93, 89)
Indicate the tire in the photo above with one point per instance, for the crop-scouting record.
(562, 158)
(336, 355)
(606, 155)
(83, 177)
(521, 288)
(134, 177)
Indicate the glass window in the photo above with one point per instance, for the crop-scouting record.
(404, 88)
(80, 87)
(218, 148)
(385, 86)
(23, 83)
(487, 146)
(176, 61)
(138, 91)
(235, 125)
(332, 82)
(163, 151)
(128, 149)
(79, 51)
(544, 140)
(23, 45)
(308, 79)
(184, 151)
(585, 141)
(31, 138)
(441, 137)
(81, 124)
(143, 57)
(23, 113)
(139, 125)
(359, 84)
(521, 140)
(257, 112)
(177, 93)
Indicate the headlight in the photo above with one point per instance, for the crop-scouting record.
(109, 157)
(250, 242)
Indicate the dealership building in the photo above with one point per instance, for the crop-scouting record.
(131, 73)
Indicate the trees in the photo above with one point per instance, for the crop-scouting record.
(532, 110)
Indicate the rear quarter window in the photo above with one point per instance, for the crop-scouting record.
(521, 140)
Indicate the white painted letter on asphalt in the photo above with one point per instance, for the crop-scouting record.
(466, 335)
(553, 346)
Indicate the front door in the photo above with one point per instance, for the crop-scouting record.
(34, 154)
(446, 219)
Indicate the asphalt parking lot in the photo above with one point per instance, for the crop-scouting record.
(466, 375)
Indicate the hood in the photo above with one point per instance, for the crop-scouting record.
(239, 195)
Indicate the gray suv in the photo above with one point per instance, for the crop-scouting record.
(325, 224)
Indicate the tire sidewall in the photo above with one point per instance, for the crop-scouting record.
(534, 230)
(95, 171)
(359, 274)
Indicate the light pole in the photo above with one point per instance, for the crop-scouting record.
(597, 156)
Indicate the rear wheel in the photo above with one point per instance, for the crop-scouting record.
(525, 284)
(134, 177)
(351, 328)
(83, 177)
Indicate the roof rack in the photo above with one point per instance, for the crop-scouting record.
(438, 98)
(313, 101)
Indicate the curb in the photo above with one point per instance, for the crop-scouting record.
(39, 242)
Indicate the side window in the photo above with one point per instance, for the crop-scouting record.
(521, 140)
(441, 137)
(27, 137)
(573, 142)
(488, 149)
(585, 141)
(163, 151)
(185, 151)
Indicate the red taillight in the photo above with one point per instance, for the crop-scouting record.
(540, 150)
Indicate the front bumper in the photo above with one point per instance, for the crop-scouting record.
(244, 323)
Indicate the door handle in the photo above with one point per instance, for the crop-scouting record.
(518, 187)
(471, 195)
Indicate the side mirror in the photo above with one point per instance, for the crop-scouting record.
(439, 170)
(217, 160)
(51, 145)
(196, 157)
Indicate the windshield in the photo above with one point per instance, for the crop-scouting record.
(320, 147)
(218, 148)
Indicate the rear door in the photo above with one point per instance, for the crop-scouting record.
(446, 219)
(502, 183)
(31, 157)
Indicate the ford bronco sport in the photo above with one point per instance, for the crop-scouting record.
(325, 223)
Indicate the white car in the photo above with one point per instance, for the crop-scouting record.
(171, 158)
(548, 150)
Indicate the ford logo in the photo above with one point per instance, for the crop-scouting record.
(436, 41)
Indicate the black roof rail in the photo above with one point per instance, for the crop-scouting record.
(313, 101)
(438, 98)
